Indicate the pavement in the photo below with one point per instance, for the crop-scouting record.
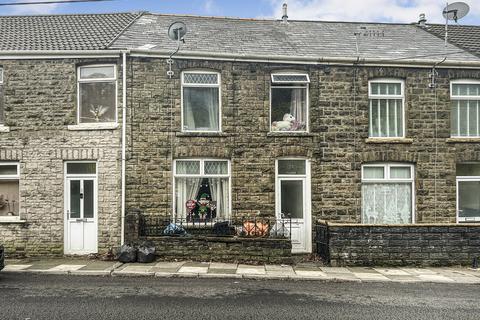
(186, 269)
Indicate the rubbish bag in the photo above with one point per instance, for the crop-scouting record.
(174, 229)
(146, 253)
(223, 229)
(127, 253)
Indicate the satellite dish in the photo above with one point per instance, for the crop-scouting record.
(177, 30)
(455, 11)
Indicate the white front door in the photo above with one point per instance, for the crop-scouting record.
(293, 200)
(81, 215)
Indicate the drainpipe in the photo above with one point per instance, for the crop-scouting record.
(124, 143)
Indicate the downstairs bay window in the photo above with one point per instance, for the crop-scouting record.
(387, 193)
(9, 191)
(202, 189)
(289, 102)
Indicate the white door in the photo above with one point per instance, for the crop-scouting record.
(81, 216)
(293, 200)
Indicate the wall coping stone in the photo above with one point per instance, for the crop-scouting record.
(93, 126)
(412, 225)
(389, 140)
(218, 239)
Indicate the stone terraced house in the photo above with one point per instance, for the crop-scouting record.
(366, 134)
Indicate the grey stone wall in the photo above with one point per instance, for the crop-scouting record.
(40, 101)
(337, 143)
(423, 245)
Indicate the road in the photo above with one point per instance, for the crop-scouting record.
(29, 296)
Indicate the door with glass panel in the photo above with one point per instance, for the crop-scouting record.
(81, 208)
(293, 200)
(468, 191)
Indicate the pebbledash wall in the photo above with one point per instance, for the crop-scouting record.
(40, 102)
(337, 143)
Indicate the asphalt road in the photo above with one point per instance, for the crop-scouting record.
(28, 296)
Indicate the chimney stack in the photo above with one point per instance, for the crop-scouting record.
(285, 16)
(422, 20)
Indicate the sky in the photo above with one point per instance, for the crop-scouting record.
(404, 11)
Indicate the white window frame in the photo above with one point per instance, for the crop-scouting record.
(80, 80)
(386, 97)
(457, 98)
(204, 85)
(12, 177)
(464, 179)
(387, 179)
(296, 85)
(202, 174)
(1, 75)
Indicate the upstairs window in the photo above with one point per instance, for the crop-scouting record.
(386, 114)
(201, 101)
(289, 102)
(9, 190)
(97, 94)
(465, 116)
(387, 193)
(2, 116)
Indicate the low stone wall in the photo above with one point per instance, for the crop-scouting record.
(417, 244)
(225, 249)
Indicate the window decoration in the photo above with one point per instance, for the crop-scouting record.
(201, 101)
(202, 189)
(386, 108)
(9, 191)
(465, 113)
(289, 102)
(387, 193)
(97, 94)
(468, 191)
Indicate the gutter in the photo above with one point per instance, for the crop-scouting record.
(423, 63)
(124, 142)
(57, 54)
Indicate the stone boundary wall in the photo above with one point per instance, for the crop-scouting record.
(398, 245)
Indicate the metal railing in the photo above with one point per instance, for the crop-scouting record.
(244, 226)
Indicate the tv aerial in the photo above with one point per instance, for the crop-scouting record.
(176, 32)
(453, 12)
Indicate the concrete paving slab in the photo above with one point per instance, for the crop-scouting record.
(66, 267)
(16, 267)
(196, 264)
(136, 268)
(169, 264)
(222, 271)
(280, 268)
(335, 270)
(81, 272)
(309, 273)
(100, 265)
(392, 272)
(220, 276)
(402, 278)
(219, 265)
(362, 270)
(418, 271)
(371, 276)
(434, 278)
(196, 270)
(247, 269)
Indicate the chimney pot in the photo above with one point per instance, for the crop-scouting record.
(285, 16)
(422, 20)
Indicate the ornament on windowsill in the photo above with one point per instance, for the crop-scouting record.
(203, 204)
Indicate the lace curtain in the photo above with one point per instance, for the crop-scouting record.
(387, 203)
(186, 189)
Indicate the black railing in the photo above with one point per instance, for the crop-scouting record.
(245, 226)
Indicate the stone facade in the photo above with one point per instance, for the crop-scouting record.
(337, 143)
(40, 102)
(422, 245)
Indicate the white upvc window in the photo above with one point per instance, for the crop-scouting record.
(465, 110)
(201, 96)
(468, 192)
(9, 191)
(387, 108)
(289, 102)
(202, 189)
(97, 94)
(388, 193)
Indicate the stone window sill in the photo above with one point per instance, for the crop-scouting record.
(389, 140)
(463, 140)
(202, 134)
(15, 220)
(93, 126)
(4, 128)
(289, 134)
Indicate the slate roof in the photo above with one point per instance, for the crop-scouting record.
(465, 37)
(62, 32)
(314, 39)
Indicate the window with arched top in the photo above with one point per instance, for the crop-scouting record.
(386, 110)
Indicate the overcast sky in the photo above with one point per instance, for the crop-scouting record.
(339, 10)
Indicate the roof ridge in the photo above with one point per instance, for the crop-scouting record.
(70, 14)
